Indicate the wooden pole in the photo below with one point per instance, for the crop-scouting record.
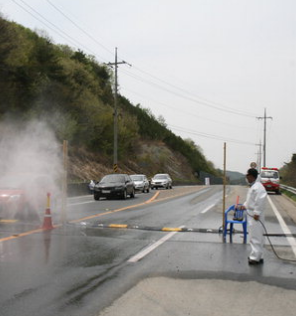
(224, 185)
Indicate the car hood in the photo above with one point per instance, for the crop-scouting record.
(109, 184)
(5, 192)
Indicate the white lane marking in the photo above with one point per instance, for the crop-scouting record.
(80, 203)
(284, 227)
(207, 209)
(79, 197)
(152, 247)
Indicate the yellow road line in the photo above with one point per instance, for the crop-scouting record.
(115, 211)
(117, 226)
(79, 220)
(171, 229)
(8, 220)
(153, 199)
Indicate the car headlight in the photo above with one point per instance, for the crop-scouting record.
(15, 197)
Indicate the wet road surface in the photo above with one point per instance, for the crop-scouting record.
(88, 268)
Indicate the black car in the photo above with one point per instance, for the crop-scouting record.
(114, 185)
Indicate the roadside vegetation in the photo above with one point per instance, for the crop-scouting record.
(72, 93)
(288, 172)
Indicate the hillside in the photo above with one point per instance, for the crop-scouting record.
(71, 94)
(152, 158)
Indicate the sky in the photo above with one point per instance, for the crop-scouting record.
(210, 68)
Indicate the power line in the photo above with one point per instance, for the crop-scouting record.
(80, 28)
(58, 31)
(203, 100)
(186, 112)
(184, 93)
(212, 136)
(191, 99)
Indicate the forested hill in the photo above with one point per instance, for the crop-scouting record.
(72, 92)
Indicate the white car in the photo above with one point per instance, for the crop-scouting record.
(141, 182)
(161, 180)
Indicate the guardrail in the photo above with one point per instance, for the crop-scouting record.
(290, 189)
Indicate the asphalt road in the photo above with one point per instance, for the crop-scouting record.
(116, 257)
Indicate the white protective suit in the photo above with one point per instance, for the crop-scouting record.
(255, 205)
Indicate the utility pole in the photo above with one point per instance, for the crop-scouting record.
(224, 186)
(115, 114)
(264, 135)
(259, 156)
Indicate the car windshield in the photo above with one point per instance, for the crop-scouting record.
(113, 178)
(269, 174)
(137, 178)
(160, 176)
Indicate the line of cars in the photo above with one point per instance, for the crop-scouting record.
(123, 185)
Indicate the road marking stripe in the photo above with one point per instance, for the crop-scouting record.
(116, 210)
(171, 229)
(208, 208)
(152, 247)
(284, 226)
(78, 220)
(8, 220)
(152, 199)
(30, 232)
(117, 226)
(80, 203)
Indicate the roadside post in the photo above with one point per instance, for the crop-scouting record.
(224, 186)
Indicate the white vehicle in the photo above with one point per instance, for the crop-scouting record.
(141, 182)
(161, 180)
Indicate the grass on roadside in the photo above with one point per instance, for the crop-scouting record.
(289, 194)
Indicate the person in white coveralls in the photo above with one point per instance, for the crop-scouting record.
(255, 206)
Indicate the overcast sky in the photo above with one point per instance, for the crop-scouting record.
(209, 67)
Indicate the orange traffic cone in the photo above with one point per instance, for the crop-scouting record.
(47, 222)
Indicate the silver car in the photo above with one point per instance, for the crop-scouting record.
(161, 180)
(141, 182)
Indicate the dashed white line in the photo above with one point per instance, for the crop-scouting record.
(152, 247)
(207, 209)
(80, 203)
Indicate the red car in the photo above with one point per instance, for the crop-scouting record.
(24, 196)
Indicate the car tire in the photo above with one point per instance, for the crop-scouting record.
(124, 195)
(132, 195)
(147, 191)
(96, 196)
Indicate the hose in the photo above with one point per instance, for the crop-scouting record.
(270, 243)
